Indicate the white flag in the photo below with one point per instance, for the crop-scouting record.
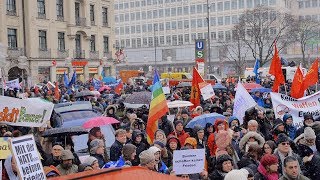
(242, 102)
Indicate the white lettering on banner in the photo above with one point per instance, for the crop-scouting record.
(27, 159)
(188, 161)
(32, 112)
(283, 104)
(242, 102)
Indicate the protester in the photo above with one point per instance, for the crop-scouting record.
(307, 122)
(311, 162)
(55, 157)
(292, 170)
(269, 147)
(159, 166)
(97, 150)
(116, 148)
(92, 162)
(173, 143)
(251, 137)
(166, 156)
(128, 155)
(67, 166)
(148, 160)
(290, 128)
(268, 168)
(251, 158)
(181, 134)
(218, 126)
(224, 164)
(138, 141)
(10, 167)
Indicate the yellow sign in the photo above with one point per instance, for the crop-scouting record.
(4, 148)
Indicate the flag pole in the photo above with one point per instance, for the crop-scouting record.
(285, 88)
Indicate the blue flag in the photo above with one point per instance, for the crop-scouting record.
(256, 71)
(73, 79)
(103, 74)
(96, 83)
(65, 79)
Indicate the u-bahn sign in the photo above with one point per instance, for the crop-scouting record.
(200, 54)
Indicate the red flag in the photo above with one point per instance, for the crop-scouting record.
(56, 92)
(296, 87)
(311, 77)
(275, 69)
(195, 90)
(119, 88)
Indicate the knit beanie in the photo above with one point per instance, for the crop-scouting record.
(282, 138)
(90, 160)
(192, 141)
(277, 123)
(159, 143)
(309, 133)
(184, 111)
(128, 150)
(232, 118)
(308, 116)
(94, 144)
(66, 155)
(146, 157)
(154, 149)
(268, 159)
(236, 174)
(178, 122)
(286, 117)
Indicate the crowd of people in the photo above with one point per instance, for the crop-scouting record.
(261, 147)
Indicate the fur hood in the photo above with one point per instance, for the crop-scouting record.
(246, 138)
(109, 107)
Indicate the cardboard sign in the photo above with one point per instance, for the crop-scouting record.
(283, 104)
(188, 161)
(206, 90)
(4, 148)
(32, 112)
(242, 102)
(25, 153)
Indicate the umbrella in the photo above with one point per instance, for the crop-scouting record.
(84, 93)
(105, 87)
(63, 131)
(262, 90)
(96, 93)
(138, 99)
(219, 86)
(176, 104)
(204, 119)
(184, 84)
(249, 86)
(99, 121)
(109, 80)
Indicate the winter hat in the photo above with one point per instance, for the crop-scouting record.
(309, 133)
(178, 122)
(282, 138)
(232, 118)
(146, 157)
(221, 159)
(277, 123)
(304, 150)
(236, 174)
(154, 149)
(307, 116)
(128, 150)
(184, 111)
(286, 117)
(159, 143)
(94, 144)
(66, 155)
(268, 160)
(192, 141)
(90, 160)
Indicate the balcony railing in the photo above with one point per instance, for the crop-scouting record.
(15, 52)
(41, 16)
(12, 13)
(60, 18)
(108, 54)
(94, 55)
(80, 21)
(62, 54)
(44, 53)
(79, 54)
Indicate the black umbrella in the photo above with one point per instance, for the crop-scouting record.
(184, 84)
(84, 93)
(138, 99)
(71, 131)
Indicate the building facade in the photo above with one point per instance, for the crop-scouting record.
(45, 38)
(163, 32)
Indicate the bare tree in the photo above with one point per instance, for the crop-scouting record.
(235, 50)
(305, 31)
(261, 27)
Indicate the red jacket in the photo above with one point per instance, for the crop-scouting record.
(211, 139)
(182, 136)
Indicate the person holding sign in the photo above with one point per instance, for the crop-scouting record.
(10, 171)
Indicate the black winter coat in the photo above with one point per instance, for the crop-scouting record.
(51, 161)
(116, 151)
(247, 161)
(312, 168)
(140, 147)
(216, 175)
(166, 126)
(100, 159)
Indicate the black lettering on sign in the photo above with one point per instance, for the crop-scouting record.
(20, 149)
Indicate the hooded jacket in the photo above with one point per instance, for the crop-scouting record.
(291, 129)
(211, 139)
(140, 146)
(245, 139)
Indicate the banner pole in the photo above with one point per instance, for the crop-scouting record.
(285, 88)
(317, 87)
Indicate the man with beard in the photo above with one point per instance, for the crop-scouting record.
(66, 166)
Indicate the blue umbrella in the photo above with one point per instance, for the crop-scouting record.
(204, 119)
(262, 90)
(109, 80)
(219, 86)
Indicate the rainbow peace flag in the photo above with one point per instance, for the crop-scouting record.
(158, 107)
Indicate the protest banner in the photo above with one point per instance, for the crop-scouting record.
(1, 170)
(25, 153)
(188, 161)
(283, 104)
(32, 112)
(206, 90)
(4, 148)
(242, 102)
(13, 84)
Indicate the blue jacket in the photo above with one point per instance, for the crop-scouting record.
(163, 168)
(258, 100)
(291, 130)
(112, 164)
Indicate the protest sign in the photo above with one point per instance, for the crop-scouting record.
(13, 84)
(25, 153)
(4, 148)
(188, 161)
(206, 90)
(32, 112)
(165, 86)
(242, 102)
(296, 107)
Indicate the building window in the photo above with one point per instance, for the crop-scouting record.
(228, 36)
(173, 11)
(161, 40)
(133, 43)
(131, 4)
(160, 13)
(133, 29)
(92, 14)
(149, 27)
(186, 10)
(199, 23)
(132, 16)
(155, 14)
(249, 4)
(212, 21)
(256, 4)
(180, 39)
(137, 3)
(186, 38)
(137, 15)
(127, 30)
(220, 21)
(213, 35)
(241, 4)
(127, 42)
(105, 44)
(59, 6)
(192, 9)
(234, 19)
(61, 42)
(193, 36)
(41, 9)
(126, 17)
(174, 40)
(314, 3)
(12, 39)
(180, 24)
(168, 25)
(180, 11)
(301, 4)
(220, 35)
(42, 40)
(167, 12)
(168, 40)
(227, 20)
(199, 8)
(234, 4)
(227, 5)
(264, 2)
(220, 6)
(138, 42)
(200, 36)
(144, 41)
(173, 25)
(213, 7)
(144, 15)
(193, 23)
(138, 29)
(11, 7)
(105, 16)
(149, 14)
(150, 41)
(186, 24)
(272, 2)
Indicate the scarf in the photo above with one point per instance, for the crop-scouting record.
(263, 171)
(8, 167)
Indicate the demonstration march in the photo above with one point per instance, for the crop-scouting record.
(254, 128)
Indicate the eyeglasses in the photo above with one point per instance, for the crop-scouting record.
(285, 143)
